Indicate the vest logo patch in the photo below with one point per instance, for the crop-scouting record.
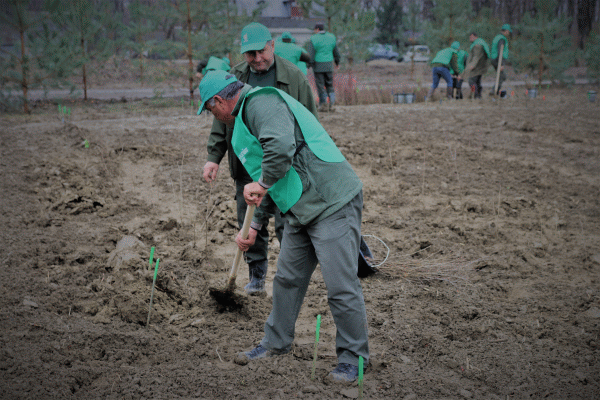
(242, 155)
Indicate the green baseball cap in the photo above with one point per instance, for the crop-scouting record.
(286, 35)
(212, 83)
(506, 27)
(254, 37)
(455, 45)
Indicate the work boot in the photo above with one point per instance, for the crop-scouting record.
(459, 94)
(257, 272)
(449, 93)
(331, 102)
(323, 107)
(344, 373)
(429, 96)
(256, 353)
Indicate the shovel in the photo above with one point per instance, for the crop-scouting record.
(226, 296)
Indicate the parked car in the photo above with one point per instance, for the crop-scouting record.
(383, 51)
(421, 53)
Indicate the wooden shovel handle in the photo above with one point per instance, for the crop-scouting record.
(245, 229)
(499, 68)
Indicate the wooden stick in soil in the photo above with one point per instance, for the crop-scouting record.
(499, 68)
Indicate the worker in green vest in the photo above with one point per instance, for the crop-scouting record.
(323, 50)
(290, 156)
(261, 67)
(444, 61)
(501, 40)
(212, 64)
(461, 60)
(477, 63)
(286, 48)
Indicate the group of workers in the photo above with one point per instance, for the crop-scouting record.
(266, 121)
(453, 64)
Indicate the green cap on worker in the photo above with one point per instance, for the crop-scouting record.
(506, 27)
(254, 37)
(212, 83)
(286, 35)
(455, 45)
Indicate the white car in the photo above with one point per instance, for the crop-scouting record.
(421, 53)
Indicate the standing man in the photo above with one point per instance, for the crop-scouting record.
(501, 40)
(444, 61)
(286, 48)
(477, 63)
(461, 60)
(290, 156)
(323, 50)
(260, 68)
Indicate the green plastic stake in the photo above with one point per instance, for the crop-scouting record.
(361, 363)
(59, 109)
(312, 375)
(86, 144)
(69, 111)
(151, 257)
(152, 293)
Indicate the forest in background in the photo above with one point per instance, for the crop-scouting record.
(45, 43)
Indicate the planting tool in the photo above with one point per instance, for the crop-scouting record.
(151, 257)
(312, 375)
(226, 296)
(499, 68)
(361, 363)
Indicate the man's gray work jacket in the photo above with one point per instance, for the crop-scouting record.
(289, 79)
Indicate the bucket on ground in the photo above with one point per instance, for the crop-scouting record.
(400, 98)
(364, 260)
(591, 96)
(532, 93)
(410, 98)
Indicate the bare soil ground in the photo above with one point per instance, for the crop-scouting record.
(491, 290)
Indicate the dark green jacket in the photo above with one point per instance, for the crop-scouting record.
(326, 186)
(289, 79)
(479, 53)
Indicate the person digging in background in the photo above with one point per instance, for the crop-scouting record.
(461, 60)
(444, 61)
(323, 50)
(477, 63)
(212, 64)
(500, 39)
(285, 48)
(260, 68)
(291, 157)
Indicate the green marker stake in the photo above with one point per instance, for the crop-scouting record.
(86, 144)
(151, 257)
(69, 111)
(152, 293)
(312, 375)
(360, 376)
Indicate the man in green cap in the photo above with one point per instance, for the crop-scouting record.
(212, 64)
(286, 48)
(501, 42)
(323, 50)
(477, 63)
(261, 68)
(444, 61)
(461, 61)
(289, 155)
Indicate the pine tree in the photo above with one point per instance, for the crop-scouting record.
(84, 26)
(451, 21)
(389, 23)
(39, 57)
(330, 10)
(142, 23)
(544, 46)
(413, 23)
(592, 52)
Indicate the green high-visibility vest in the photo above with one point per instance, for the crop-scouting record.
(443, 56)
(289, 51)
(482, 43)
(287, 191)
(461, 58)
(495, 46)
(324, 43)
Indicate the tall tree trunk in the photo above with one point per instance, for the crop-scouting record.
(83, 68)
(24, 66)
(189, 51)
(541, 67)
